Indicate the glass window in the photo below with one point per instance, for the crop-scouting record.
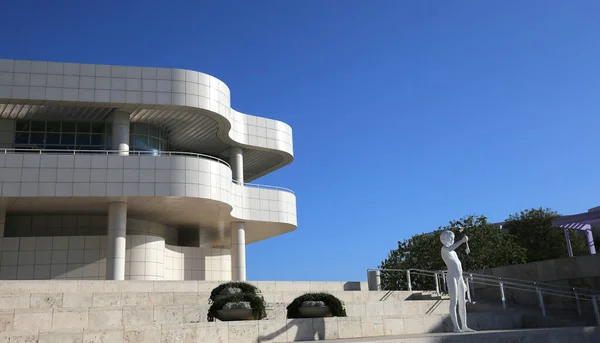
(141, 129)
(97, 140)
(53, 126)
(68, 127)
(39, 126)
(83, 127)
(140, 142)
(22, 125)
(82, 139)
(154, 143)
(22, 138)
(98, 127)
(67, 138)
(37, 138)
(153, 131)
(81, 135)
(52, 138)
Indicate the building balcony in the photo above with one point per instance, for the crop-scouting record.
(178, 189)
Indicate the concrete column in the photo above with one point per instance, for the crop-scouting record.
(374, 280)
(589, 240)
(236, 161)
(2, 221)
(568, 240)
(117, 228)
(238, 251)
(120, 133)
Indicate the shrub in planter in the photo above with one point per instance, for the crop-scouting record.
(314, 301)
(230, 288)
(236, 296)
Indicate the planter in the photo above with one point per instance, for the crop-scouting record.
(315, 312)
(234, 314)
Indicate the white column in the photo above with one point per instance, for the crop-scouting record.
(568, 240)
(589, 240)
(2, 221)
(236, 161)
(238, 251)
(117, 228)
(374, 280)
(120, 133)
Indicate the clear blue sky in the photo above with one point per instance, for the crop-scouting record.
(406, 114)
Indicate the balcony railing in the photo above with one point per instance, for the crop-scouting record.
(113, 152)
(256, 185)
(140, 153)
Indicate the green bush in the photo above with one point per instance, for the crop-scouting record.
(256, 302)
(244, 286)
(336, 306)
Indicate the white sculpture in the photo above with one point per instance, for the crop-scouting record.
(456, 284)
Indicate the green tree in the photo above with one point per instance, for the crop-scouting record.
(490, 247)
(534, 231)
(421, 251)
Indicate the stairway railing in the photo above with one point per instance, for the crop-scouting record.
(503, 283)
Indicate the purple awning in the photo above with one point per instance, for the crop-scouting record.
(582, 222)
(577, 221)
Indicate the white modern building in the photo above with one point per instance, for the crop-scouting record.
(114, 172)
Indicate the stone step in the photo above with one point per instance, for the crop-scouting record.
(382, 308)
(96, 318)
(546, 335)
(239, 332)
(533, 317)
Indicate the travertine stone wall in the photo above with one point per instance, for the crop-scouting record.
(163, 311)
(578, 271)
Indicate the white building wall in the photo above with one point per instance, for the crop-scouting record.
(80, 225)
(61, 175)
(174, 88)
(84, 258)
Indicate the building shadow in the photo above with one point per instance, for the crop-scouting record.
(352, 286)
(307, 329)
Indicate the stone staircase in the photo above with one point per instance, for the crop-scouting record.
(175, 311)
(546, 335)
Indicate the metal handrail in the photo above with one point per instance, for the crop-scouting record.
(141, 153)
(507, 280)
(115, 152)
(256, 185)
(540, 289)
(514, 283)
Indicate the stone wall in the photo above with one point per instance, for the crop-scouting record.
(578, 272)
(175, 311)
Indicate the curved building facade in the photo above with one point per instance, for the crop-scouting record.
(114, 172)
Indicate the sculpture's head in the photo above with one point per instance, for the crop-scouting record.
(447, 238)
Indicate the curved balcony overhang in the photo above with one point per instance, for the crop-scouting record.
(178, 189)
(194, 107)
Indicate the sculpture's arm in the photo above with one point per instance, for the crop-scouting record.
(457, 244)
